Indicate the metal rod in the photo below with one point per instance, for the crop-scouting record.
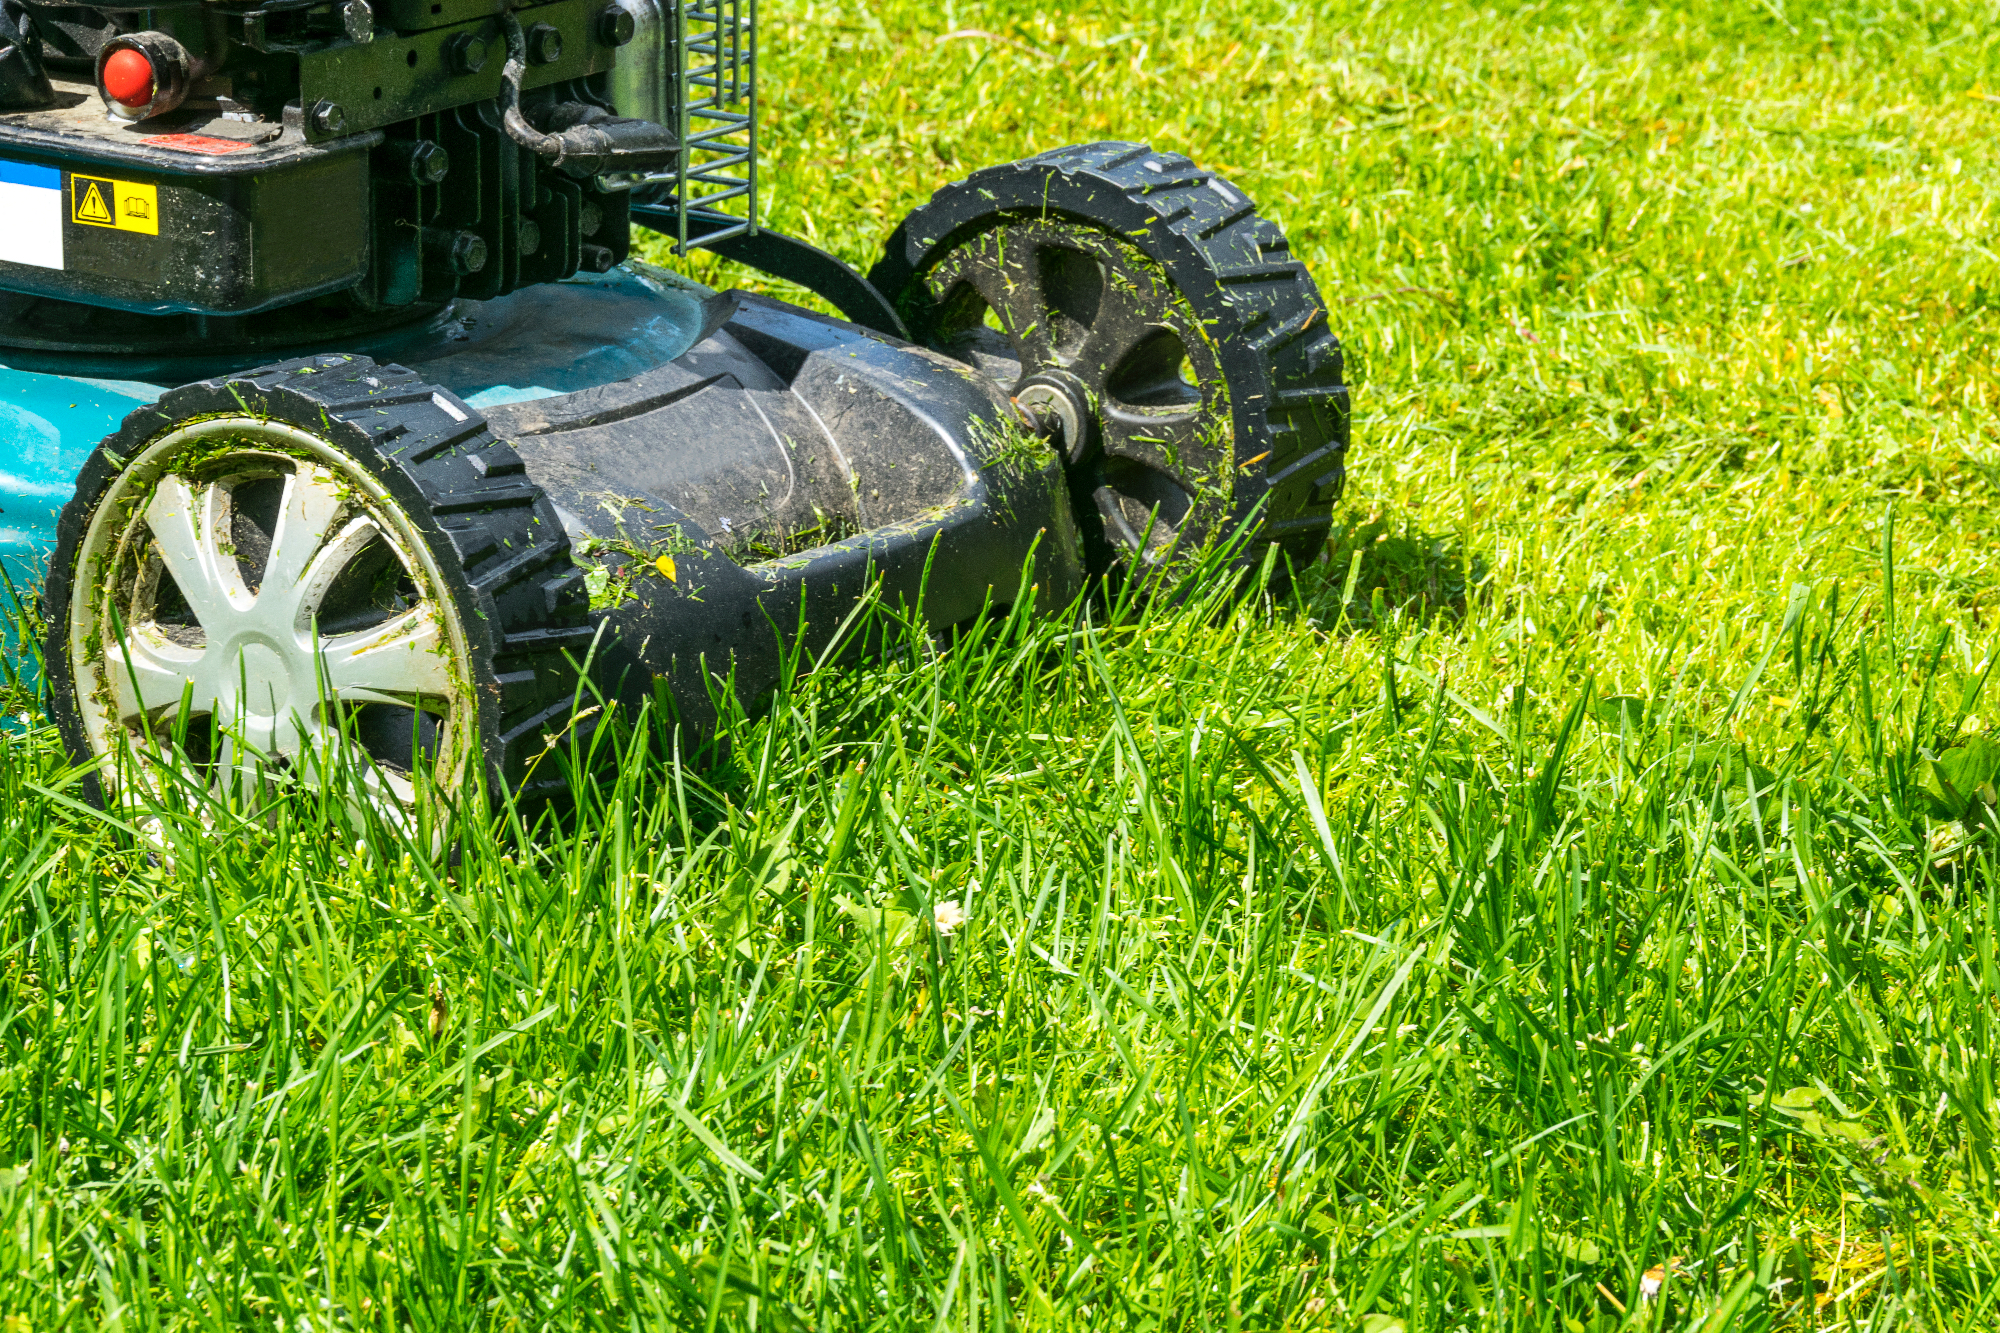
(714, 73)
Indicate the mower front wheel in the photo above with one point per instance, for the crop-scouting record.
(262, 576)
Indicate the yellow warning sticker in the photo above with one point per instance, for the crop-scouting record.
(126, 205)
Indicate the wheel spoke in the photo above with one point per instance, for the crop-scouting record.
(334, 555)
(228, 754)
(268, 738)
(378, 782)
(1131, 523)
(190, 556)
(1122, 323)
(1174, 441)
(305, 519)
(329, 753)
(391, 663)
(1004, 274)
(1016, 297)
(336, 759)
(150, 675)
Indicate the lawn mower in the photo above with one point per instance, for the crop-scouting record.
(340, 420)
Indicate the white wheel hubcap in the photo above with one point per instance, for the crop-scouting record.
(248, 573)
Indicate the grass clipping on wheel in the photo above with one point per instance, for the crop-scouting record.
(1570, 906)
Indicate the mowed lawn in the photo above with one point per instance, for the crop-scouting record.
(1571, 906)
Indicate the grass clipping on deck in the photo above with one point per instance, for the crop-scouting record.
(1572, 907)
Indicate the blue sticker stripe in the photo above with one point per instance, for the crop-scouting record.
(26, 173)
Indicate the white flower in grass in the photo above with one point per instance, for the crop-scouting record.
(949, 916)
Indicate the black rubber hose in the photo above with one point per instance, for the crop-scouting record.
(550, 146)
(589, 139)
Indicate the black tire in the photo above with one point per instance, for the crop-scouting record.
(386, 460)
(1183, 259)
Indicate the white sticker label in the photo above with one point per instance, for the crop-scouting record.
(31, 215)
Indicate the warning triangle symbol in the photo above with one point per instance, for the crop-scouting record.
(92, 208)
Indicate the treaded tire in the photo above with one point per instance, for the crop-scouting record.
(1258, 308)
(492, 538)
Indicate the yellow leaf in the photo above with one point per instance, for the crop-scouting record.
(665, 564)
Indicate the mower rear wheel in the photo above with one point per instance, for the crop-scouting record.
(319, 571)
(1143, 305)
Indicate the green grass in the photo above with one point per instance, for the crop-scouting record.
(1556, 885)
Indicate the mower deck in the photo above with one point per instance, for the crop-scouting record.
(540, 342)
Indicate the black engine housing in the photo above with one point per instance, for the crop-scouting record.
(377, 160)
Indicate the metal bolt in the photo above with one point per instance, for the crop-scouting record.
(359, 21)
(616, 26)
(1057, 403)
(468, 253)
(544, 45)
(590, 219)
(596, 259)
(465, 54)
(429, 163)
(531, 236)
(329, 117)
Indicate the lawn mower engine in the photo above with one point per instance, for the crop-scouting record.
(340, 424)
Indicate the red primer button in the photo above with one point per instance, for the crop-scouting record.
(197, 143)
(128, 78)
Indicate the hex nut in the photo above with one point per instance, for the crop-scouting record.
(468, 253)
(429, 163)
(465, 54)
(329, 117)
(544, 44)
(616, 26)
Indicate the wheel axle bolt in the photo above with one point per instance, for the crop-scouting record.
(596, 259)
(531, 236)
(1057, 405)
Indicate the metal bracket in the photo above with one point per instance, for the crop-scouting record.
(824, 275)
